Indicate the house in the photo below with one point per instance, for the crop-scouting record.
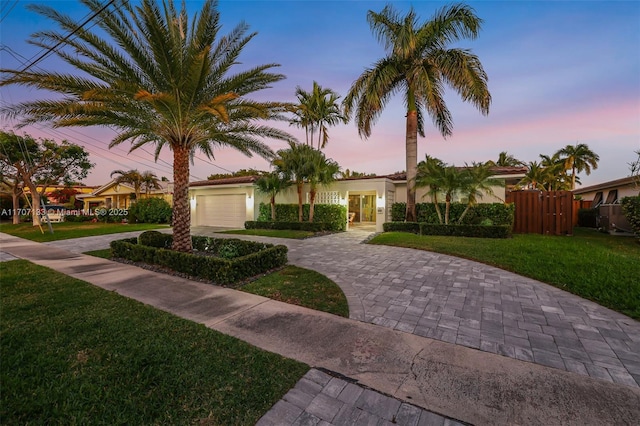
(232, 201)
(114, 195)
(50, 191)
(610, 192)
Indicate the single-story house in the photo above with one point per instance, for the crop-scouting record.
(610, 192)
(232, 201)
(114, 195)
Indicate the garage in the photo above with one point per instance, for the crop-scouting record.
(229, 210)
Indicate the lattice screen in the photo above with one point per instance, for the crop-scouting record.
(326, 197)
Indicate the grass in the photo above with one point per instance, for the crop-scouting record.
(67, 230)
(277, 233)
(291, 284)
(73, 353)
(599, 267)
(302, 287)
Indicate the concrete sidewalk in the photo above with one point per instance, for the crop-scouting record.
(452, 380)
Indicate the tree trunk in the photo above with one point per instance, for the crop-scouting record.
(447, 209)
(15, 199)
(573, 178)
(437, 206)
(412, 163)
(299, 186)
(464, 213)
(312, 200)
(181, 208)
(273, 208)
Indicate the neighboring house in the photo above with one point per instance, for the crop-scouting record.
(116, 195)
(232, 201)
(81, 189)
(608, 192)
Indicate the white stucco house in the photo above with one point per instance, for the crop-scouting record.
(610, 192)
(232, 201)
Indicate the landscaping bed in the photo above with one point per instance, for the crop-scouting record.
(454, 230)
(222, 261)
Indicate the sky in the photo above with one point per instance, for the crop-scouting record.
(560, 73)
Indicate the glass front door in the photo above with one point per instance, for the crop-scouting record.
(363, 207)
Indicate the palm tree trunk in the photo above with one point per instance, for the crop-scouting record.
(312, 200)
(437, 206)
(273, 208)
(466, 209)
(412, 163)
(447, 209)
(573, 177)
(181, 209)
(299, 186)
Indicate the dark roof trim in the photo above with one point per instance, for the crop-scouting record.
(226, 181)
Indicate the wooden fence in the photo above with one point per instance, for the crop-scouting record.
(542, 212)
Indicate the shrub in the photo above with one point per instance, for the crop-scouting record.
(150, 210)
(238, 259)
(78, 218)
(295, 226)
(155, 239)
(588, 218)
(413, 227)
(110, 215)
(494, 231)
(631, 210)
(332, 214)
(498, 213)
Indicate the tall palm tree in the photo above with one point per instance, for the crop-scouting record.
(419, 63)
(272, 184)
(554, 174)
(578, 158)
(536, 175)
(315, 112)
(158, 79)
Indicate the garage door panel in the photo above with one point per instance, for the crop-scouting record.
(228, 210)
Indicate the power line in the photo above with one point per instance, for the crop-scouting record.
(78, 28)
(9, 11)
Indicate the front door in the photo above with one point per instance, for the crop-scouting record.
(363, 207)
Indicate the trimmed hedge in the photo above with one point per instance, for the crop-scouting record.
(333, 215)
(237, 261)
(497, 213)
(631, 210)
(295, 226)
(413, 227)
(478, 231)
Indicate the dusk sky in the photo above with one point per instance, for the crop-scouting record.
(559, 73)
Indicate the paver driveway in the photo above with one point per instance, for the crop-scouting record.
(466, 303)
(475, 305)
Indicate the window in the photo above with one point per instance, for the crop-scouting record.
(326, 197)
(597, 200)
(612, 197)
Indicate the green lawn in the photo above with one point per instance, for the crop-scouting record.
(301, 287)
(76, 354)
(593, 265)
(67, 230)
(291, 284)
(277, 233)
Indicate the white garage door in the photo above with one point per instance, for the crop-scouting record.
(221, 210)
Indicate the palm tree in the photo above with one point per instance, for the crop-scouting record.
(315, 111)
(479, 181)
(554, 175)
(507, 160)
(150, 182)
(419, 64)
(293, 163)
(322, 171)
(536, 174)
(272, 184)
(158, 79)
(132, 177)
(579, 158)
(428, 175)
